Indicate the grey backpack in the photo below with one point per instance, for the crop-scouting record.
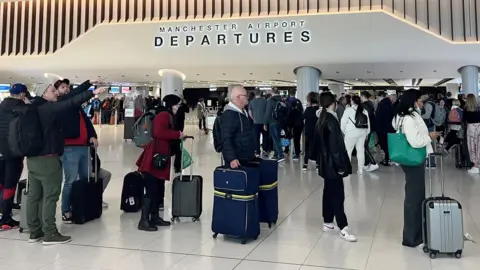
(142, 129)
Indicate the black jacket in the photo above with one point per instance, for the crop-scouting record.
(51, 113)
(6, 116)
(385, 114)
(237, 136)
(310, 116)
(180, 117)
(70, 119)
(329, 148)
(368, 105)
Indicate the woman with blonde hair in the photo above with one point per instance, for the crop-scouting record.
(471, 116)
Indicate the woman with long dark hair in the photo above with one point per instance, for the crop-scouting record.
(355, 126)
(154, 173)
(471, 116)
(408, 120)
(333, 165)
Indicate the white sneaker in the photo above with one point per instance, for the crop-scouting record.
(371, 167)
(474, 170)
(104, 205)
(329, 227)
(360, 171)
(347, 236)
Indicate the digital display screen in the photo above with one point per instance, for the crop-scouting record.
(126, 89)
(4, 87)
(115, 89)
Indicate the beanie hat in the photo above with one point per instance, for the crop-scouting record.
(18, 89)
(171, 100)
(40, 90)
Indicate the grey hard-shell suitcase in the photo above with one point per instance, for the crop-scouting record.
(23, 210)
(442, 222)
(187, 195)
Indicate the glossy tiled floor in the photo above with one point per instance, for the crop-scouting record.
(373, 205)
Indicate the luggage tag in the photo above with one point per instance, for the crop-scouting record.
(131, 201)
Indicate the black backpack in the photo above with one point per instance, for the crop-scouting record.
(296, 113)
(132, 192)
(361, 120)
(217, 134)
(281, 112)
(25, 133)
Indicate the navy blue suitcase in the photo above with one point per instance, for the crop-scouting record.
(235, 215)
(268, 194)
(242, 181)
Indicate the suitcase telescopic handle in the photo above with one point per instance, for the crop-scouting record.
(442, 174)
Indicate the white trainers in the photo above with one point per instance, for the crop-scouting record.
(474, 170)
(329, 227)
(371, 167)
(346, 235)
(360, 171)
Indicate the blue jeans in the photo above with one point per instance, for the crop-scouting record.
(75, 162)
(432, 157)
(275, 131)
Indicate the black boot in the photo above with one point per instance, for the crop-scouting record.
(155, 219)
(144, 223)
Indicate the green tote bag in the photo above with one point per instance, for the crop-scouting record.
(186, 158)
(402, 152)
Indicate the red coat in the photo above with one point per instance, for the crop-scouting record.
(162, 135)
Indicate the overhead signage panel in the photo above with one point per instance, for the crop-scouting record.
(4, 87)
(224, 34)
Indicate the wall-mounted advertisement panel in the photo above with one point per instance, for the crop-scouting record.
(114, 89)
(4, 87)
(126, 89)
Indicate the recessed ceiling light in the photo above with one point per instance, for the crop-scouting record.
(251, 73)
(338, 72)
(279, 73)
(123, 76)
(198, 74)
(435, 71)
(401, 71)
(224, 74)
(368, 71)
(147, 75)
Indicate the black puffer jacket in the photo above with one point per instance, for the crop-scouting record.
(237, 134)
(50, 114)
(71, 118)
(6, 116)
(329, 148)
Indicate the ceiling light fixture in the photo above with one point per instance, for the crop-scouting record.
(161, 72)
(338, 72)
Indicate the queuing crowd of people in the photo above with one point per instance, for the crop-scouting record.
(247, 127)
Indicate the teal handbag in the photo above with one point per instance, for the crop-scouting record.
(402, 152)
(186, 158)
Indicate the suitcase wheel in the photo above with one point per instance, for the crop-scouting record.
(177, 219)
(195, 219)
(215, 235)
(433, 255)
(255, 238)
(244, 241)
(20, 230)
(425, 249)
(458, 254)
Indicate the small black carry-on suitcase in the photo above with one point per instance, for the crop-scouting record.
(132, 192)
(442, 222)
(187, 194)
(462, 157)
(87, 196)
(235, 203)
(268, 194)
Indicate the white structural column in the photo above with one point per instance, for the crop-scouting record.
(469, 79)
(453, 88)
(172, 82)
(51, 78)
(337, 88)
(308, 79)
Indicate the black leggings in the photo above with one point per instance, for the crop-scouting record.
(154, 189)
(10, 173)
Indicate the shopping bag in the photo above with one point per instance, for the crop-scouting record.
(186, 158)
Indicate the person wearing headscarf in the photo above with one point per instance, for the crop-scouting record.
(154, 178)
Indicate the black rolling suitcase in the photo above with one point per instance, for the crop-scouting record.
(462, 156)
(87, 196)
(187, 195)
(132, 192)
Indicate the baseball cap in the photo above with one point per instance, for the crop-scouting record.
(18, 88)
(59, 82)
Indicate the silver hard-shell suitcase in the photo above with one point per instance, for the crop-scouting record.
(442, 222)
(187, 194)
